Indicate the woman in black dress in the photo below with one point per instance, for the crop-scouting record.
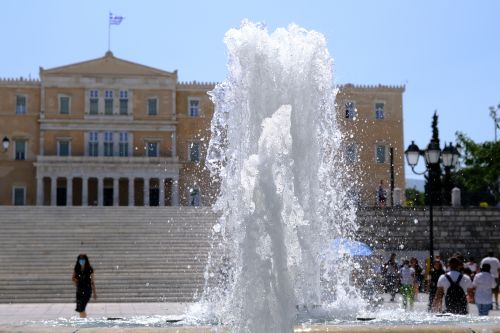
(83, 279)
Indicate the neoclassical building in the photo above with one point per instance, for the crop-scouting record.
(104, 132)
(110, 132)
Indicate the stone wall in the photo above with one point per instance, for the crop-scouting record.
(472, 231)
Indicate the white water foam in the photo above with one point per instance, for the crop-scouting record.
(276, 149)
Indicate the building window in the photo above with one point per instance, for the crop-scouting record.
(194, 197)
(20, 104)
(350, 110)
(352, 153)
(108, 102)
(20, 150)
(19, 196)
(379, 110)
(194, 107)
(152, 149)
(152, 106)
(123, 102)
(380, 154)
(123, 145)
(94, 102)
(63, 148)
(108, 143)
(194, 152)
(64, 105)
(93, 144)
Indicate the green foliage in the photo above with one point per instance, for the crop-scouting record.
(479, 177)
(414, 198)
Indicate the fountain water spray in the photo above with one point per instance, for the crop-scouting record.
(277, 151)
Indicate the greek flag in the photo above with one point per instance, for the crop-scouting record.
(115, 19)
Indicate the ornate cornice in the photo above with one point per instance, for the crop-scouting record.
(371, 86)
(20, 81)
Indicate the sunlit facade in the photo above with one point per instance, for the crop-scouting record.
(110, 132)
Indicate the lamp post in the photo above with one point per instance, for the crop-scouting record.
(496, 120)
(433, 155)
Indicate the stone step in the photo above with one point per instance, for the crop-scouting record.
(139, 254)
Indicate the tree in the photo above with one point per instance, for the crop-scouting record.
(479, 178)
(414, 197)
(433, 179)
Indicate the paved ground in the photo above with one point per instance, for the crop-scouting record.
(31, 317)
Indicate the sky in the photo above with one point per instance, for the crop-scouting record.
(446, 53)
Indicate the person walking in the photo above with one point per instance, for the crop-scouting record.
(495, 272)
(391, 276)
(419, 277)
(472, 265)
(483, 285)
(436, 271)
(83, 279)
(456, 289)
(407, 274)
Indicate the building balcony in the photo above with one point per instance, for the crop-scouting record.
(138, 166)
(106, 159)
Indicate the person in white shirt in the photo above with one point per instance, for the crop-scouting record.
(444, 285)
(407, 275)
(472, 265)
(483, 284)
(495, 272)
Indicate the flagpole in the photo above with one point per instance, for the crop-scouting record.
(109, 32)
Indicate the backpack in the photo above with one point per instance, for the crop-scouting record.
(455, 299)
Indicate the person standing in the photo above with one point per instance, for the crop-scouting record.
(381, 194)
(456, 289)
(495, 272)
(407, 274)
(436, 271)
(483, 285)
(391, 275)
(83, 279)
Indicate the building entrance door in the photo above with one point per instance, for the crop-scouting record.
(154, 197)
(108, 197)
(61, 196)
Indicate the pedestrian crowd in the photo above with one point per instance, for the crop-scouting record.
(455, 283)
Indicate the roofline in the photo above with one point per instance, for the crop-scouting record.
(372, 86)
(108, 54)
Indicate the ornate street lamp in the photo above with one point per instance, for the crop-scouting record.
(5, 143)
(433, 155)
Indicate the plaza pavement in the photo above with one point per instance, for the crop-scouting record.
(29, 318)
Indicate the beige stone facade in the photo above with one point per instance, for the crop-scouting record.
(372, 119)
(112, 132)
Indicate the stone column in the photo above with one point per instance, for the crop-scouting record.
(116, 191)
(69, 191)
(100, 191)
(161, 184)
(175, 192)
(39, 191)
(131, 192)
(85, 191)
(174, 144)
(397, 195)
(53, 191)
(456, 197)
(42, 142)
(146, 191)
